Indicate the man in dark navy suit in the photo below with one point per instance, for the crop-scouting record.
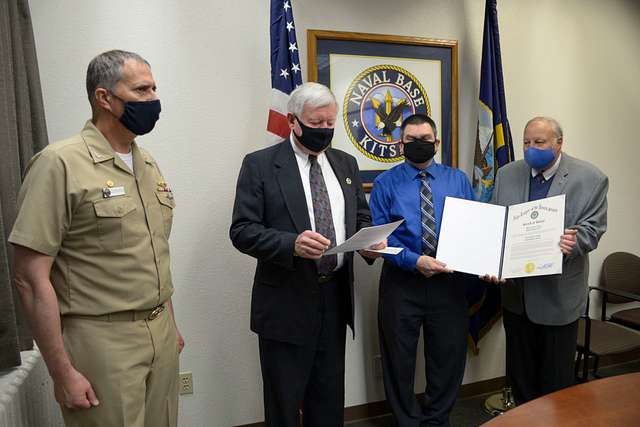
(295, 200)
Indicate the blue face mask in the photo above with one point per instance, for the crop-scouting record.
(140, 117)
(537, 158)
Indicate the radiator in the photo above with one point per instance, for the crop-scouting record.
(26, 395)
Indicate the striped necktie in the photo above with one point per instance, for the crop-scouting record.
(429, 241)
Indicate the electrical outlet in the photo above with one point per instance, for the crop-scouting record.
(377, 366)
(186, 383)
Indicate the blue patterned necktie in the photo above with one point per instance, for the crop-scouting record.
(429, 241)
(322, 214)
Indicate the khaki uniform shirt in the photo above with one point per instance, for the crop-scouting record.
(107, 228)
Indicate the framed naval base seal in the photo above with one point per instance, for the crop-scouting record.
(378, 81)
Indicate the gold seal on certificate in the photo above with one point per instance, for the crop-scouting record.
(532, 238)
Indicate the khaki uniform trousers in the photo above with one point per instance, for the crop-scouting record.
(133, 369)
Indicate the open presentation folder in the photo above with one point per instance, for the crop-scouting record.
(506, 242)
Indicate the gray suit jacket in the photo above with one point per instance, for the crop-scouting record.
(558, 299)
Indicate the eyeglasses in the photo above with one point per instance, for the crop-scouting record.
(419, 139)
(538, 141)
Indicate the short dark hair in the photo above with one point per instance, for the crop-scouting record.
(418, 119)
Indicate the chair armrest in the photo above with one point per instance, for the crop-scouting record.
(624, 294)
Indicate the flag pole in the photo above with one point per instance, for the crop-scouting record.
(494, 148)
(499, 403)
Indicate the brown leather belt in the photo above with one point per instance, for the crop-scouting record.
(123, 316)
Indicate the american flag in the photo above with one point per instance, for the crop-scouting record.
(286, 74)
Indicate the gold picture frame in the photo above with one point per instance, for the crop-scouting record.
(378, 79)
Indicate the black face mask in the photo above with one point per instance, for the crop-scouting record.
(314, 139)
(140, 117)
(419, 150)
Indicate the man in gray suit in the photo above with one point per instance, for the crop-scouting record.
(541, 313)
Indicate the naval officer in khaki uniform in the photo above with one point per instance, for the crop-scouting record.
(92, 258)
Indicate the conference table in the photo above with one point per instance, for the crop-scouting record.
(608, 402)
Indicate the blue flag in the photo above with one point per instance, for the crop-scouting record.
(494, 148)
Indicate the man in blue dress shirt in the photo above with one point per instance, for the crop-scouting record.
(416, 290)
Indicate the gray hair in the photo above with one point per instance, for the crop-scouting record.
(555, 125)
(315, 95)
(105, 70)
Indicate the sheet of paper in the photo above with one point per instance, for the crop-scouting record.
(365, 237)
(388, 250)
(471, 234)
(533, 237)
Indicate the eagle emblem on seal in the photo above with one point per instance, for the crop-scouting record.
(376, 103)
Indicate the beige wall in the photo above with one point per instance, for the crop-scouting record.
(576, 60)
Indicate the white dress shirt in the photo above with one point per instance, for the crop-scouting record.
(336, 198)
(548, 174)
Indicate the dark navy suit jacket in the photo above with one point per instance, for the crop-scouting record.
(270, 211)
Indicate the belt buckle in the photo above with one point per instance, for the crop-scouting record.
(156, 311)
(324, 278)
